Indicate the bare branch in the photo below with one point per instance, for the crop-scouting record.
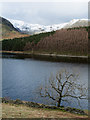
(56, 89)
(46, 94)
(65, 85)
(77, 97)
(50, 96)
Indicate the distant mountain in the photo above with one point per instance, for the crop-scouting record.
(36, 28)
(77, 23)
(8, 30)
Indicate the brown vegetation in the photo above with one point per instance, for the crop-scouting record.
(73, 41)
(11, 35)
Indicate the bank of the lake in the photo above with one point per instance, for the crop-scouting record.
(47, 56)
(20, 111)
(25, 109)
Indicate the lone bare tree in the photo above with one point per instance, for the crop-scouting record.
(63, 86)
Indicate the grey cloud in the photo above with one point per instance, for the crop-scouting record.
(45, 13)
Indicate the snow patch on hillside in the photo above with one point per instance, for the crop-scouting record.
(37, 28)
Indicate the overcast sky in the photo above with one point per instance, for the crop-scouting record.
(46, 13)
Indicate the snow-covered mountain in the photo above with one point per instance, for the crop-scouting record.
(37, 28)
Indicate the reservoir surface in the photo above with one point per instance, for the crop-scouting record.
(22, 78)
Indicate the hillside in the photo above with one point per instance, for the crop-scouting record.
(72, 41)
(8, 30)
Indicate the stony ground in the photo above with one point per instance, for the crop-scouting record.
(22, 111)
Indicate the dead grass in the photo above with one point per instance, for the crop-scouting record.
(14, 34)
(21, 111)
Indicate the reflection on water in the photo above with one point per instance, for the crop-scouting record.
(23, 77)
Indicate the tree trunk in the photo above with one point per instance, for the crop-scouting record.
(59, 102)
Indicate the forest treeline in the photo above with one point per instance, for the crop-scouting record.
(64, 41)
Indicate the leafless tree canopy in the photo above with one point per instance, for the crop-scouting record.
(61, 87)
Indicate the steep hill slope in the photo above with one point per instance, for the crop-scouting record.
(66, 41)
(8, 30)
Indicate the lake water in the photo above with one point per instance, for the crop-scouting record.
(21, 78)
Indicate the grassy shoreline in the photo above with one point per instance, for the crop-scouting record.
(24, 109)
(48, 56)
